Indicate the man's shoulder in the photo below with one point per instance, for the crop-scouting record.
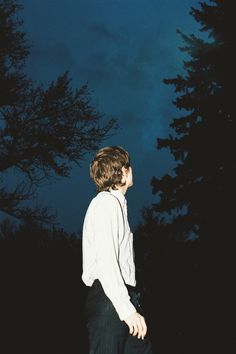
(103, 199)
(105, 196)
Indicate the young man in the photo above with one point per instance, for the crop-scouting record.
(114, 322)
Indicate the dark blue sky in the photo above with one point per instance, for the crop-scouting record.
(123, 49)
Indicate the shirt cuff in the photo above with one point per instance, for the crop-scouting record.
(125, 309)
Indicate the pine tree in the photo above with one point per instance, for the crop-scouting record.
(198, 196)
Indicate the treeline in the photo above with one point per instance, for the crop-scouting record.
(41, 291)
(42, 294)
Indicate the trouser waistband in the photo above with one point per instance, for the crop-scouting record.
(97, 284)
(132, 290)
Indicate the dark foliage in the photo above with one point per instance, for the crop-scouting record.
(203, 143)
(189, 284)
(43, 131)
(42, 294)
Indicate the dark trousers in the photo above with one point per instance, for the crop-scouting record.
(107, 333)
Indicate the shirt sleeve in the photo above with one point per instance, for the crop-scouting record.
(107, 223)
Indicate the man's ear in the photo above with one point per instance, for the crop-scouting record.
(124, 171)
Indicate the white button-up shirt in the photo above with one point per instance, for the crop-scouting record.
(107, 245)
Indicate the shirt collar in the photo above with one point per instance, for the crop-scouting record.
(117, 193)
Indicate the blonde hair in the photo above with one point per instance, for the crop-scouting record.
(106, 167)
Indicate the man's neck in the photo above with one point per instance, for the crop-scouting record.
(123, 189)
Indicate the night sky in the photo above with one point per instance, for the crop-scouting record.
(123, 49)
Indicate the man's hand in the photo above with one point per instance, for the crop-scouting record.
(137, 325)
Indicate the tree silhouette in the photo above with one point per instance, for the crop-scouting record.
(43, 131)
(42, 294)
(190, 292)
(198, 196)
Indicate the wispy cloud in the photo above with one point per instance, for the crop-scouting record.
(101, 31)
